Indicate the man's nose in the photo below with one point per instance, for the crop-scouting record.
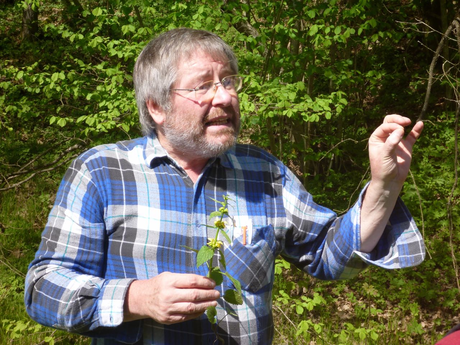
(222, 96)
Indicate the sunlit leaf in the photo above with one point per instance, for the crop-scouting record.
(233, 297)
(211, 313)
(204, 254)
(217, 275)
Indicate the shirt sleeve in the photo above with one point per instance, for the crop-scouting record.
(65, 286)
(328, 247)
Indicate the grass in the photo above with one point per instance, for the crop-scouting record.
(23, 214)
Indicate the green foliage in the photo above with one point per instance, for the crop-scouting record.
(372, 309)
(87, 83)
(22, 218)
(15, 330)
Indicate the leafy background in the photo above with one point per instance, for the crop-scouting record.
(318, 77)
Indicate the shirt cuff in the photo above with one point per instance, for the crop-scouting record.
(111, 305)
(401, 244)
(111, 311)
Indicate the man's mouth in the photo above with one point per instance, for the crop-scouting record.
(217, 122)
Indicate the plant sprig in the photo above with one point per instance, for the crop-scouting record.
(206, 254)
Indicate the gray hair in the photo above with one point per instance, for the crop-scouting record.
(156, 67)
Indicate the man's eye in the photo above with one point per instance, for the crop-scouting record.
(204, 87)
(228, 82)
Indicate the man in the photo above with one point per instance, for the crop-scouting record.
(114, 262)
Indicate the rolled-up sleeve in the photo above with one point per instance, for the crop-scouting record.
(65, 284)
(328, 247)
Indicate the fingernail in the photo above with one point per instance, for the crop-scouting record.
(397, 134)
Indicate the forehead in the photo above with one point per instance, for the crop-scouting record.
(200, 60)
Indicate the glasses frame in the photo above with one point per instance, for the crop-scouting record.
(238, 86)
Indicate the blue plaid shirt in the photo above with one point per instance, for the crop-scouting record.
(127, 211)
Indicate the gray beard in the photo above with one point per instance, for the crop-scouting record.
(193, 140)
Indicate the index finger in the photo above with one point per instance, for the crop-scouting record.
(395, 118)
(415, 133)
(185, 281)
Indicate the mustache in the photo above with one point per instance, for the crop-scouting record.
(220, 112)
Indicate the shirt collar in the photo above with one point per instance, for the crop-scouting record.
(154, 150)
(226, 158)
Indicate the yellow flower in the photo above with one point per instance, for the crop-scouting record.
(219, 224)
(214, 244)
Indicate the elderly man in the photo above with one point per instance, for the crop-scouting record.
(116, 260)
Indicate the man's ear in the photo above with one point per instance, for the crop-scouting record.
(158, 115)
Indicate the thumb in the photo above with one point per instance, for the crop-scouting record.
(394, 138)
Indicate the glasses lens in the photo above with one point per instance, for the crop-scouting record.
(232, 83)
(205, 87)
(207, 90)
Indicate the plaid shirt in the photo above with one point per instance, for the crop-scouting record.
(126, 211)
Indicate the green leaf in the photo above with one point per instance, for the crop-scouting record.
(318, 328)
(20, 326)
(211, 313)
(49, 340)
(233, 297)
(313, 30)
(299, 309)
(222, 259)
(62, 122)
(216, 275)
(97, 11)
(215, 214)
(125, 127)
(190, 248)
(204, 255)
(235, 282)
(373, 22)
(90, 121)
(302, 327)
(374, 335)
(226, 236)
(231, 312)
(219, 202)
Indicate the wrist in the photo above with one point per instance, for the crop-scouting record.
(384, 188)
(377, 206)
(133, 302)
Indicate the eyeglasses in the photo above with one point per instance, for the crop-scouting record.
(207, 90)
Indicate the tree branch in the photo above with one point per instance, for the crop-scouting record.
(451, 201)
(45, 168)
(431, 71)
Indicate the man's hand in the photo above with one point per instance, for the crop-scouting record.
(390, 156)
(170, 298)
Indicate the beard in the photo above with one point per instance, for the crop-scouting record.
(188, 134)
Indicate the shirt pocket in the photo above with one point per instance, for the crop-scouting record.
(252, 264)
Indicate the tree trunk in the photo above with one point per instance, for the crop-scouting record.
(29, 23)
(445, 53)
